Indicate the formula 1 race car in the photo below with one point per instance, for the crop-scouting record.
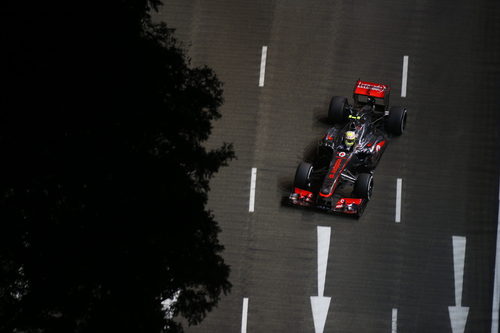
(340, 179)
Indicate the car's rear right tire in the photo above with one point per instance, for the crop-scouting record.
(303, 176)
(337, 111)
(396, 121)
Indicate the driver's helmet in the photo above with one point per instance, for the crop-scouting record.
(350, 138)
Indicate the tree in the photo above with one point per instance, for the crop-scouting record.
(105, 176)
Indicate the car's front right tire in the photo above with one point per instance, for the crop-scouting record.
(363, 187)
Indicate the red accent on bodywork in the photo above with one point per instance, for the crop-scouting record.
(302, 192)
(349, 201)
(379, 145)
(331, 175)
(336, 169)
(371, 89)
(344, 203)
(336, 166)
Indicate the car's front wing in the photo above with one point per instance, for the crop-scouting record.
(350, 206)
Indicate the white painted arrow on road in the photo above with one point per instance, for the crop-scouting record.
(458, 313)
(320, 304)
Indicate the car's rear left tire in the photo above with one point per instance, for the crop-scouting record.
(363, 187)
(337, 111)
(303, 176)
(396, 121)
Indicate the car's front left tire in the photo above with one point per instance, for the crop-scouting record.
(303, 176)
(337, 111)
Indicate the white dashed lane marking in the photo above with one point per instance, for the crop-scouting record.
(244, 315)
(399, 188)
(394, 326)
(263, 66)
(404, 80)
(253, 180)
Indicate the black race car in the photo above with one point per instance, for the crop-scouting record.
(340, 180)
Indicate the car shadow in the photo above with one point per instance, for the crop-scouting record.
(320, 118)
(310, 152)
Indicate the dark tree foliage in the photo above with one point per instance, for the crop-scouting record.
(105, 176)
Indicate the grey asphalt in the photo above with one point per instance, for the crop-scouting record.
(448, 158)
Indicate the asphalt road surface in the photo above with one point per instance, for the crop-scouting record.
(381, 275)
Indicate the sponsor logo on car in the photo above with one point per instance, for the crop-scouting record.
(380, 88)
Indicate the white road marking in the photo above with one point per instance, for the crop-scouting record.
(458, 313)
(321, 304)
(458, 266)
(394, 326)
(458, 318)
(244, 315)
(263, 66)
(404, 80)
(323, 248)
(496, 283)
(399, 188)
(253, 180)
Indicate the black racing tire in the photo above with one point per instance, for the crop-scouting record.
(396, 121)
(337, 112)
(363, 187)
(303, 176)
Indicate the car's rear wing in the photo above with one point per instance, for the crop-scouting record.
(376, 90)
